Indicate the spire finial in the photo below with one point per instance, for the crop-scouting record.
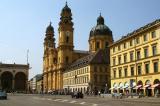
(100, 13)
(66, 3)
(50, 23)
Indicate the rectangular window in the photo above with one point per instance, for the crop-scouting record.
(119, 60)
(125, 58)
(124, 45)
(145, 37)
(138, 55)
(95, 78)
(139, 70)
(95, 69)
(147, 68)
(113, 49)
(155, 64)
(120, 73)
(145, 52)
(131, 42)
(114, 73)
(125, 72)
(132, 71)
(153, 34)
(131, 56)
(114, 61)
(119, 47)
(137, 40)
(154, 50)
(97, 45)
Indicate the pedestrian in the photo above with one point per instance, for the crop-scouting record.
(99, 93)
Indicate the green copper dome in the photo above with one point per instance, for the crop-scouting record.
(100, 29)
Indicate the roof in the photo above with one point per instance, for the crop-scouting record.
(137, 31)
(3, 65)
(99, 57)
(81, 51)
(39, 77)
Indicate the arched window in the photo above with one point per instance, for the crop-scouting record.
(97, 45)
(54, 60)
(67, 59)
(106, 44)
(67, 39)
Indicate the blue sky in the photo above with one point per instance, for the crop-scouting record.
(23, 24)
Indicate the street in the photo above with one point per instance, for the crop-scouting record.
(50, 100)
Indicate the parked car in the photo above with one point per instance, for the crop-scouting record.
(77, 95)
(3, 94)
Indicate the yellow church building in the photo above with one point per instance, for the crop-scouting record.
(67, 69)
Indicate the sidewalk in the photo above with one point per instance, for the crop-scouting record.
(143, 100)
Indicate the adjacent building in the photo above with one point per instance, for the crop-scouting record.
(135, 61)
(14, 77)
(65, 68)
(35, 84)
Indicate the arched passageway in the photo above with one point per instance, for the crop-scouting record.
(6, 81)
(20, 81)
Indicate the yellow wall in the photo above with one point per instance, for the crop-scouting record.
(142, 61)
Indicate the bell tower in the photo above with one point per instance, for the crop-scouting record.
(49, 57)
(65, 42)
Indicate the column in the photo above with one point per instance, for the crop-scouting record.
(152, 92)
(0, 83)
(51, 80)
(13, 83)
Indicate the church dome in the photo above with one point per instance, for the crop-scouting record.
(100, 29)
(50, 28)
(66, 8)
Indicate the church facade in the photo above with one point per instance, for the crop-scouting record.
(65, 68)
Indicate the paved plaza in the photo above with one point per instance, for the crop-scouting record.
(62, 100)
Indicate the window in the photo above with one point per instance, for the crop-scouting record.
(125, 72)
(154, 50)
(114, 61)
(145, 52)
(119, 60)
(95, 78)
(124, 45)
(54, 60)
(138, 55)
(131, 42)
(106, 45)
(113, 49)
(67, 39)
(137, 40)
(114, 73)
(155, 64)
(67, 59)
(95, 69)
(100, 69)
(153, 34)
(131, 56)
(147, 68)
(120, 73)
(125, 58)
(119, 47)
(132, 71)
(145, 37)
(139, 70)
(97, 45)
